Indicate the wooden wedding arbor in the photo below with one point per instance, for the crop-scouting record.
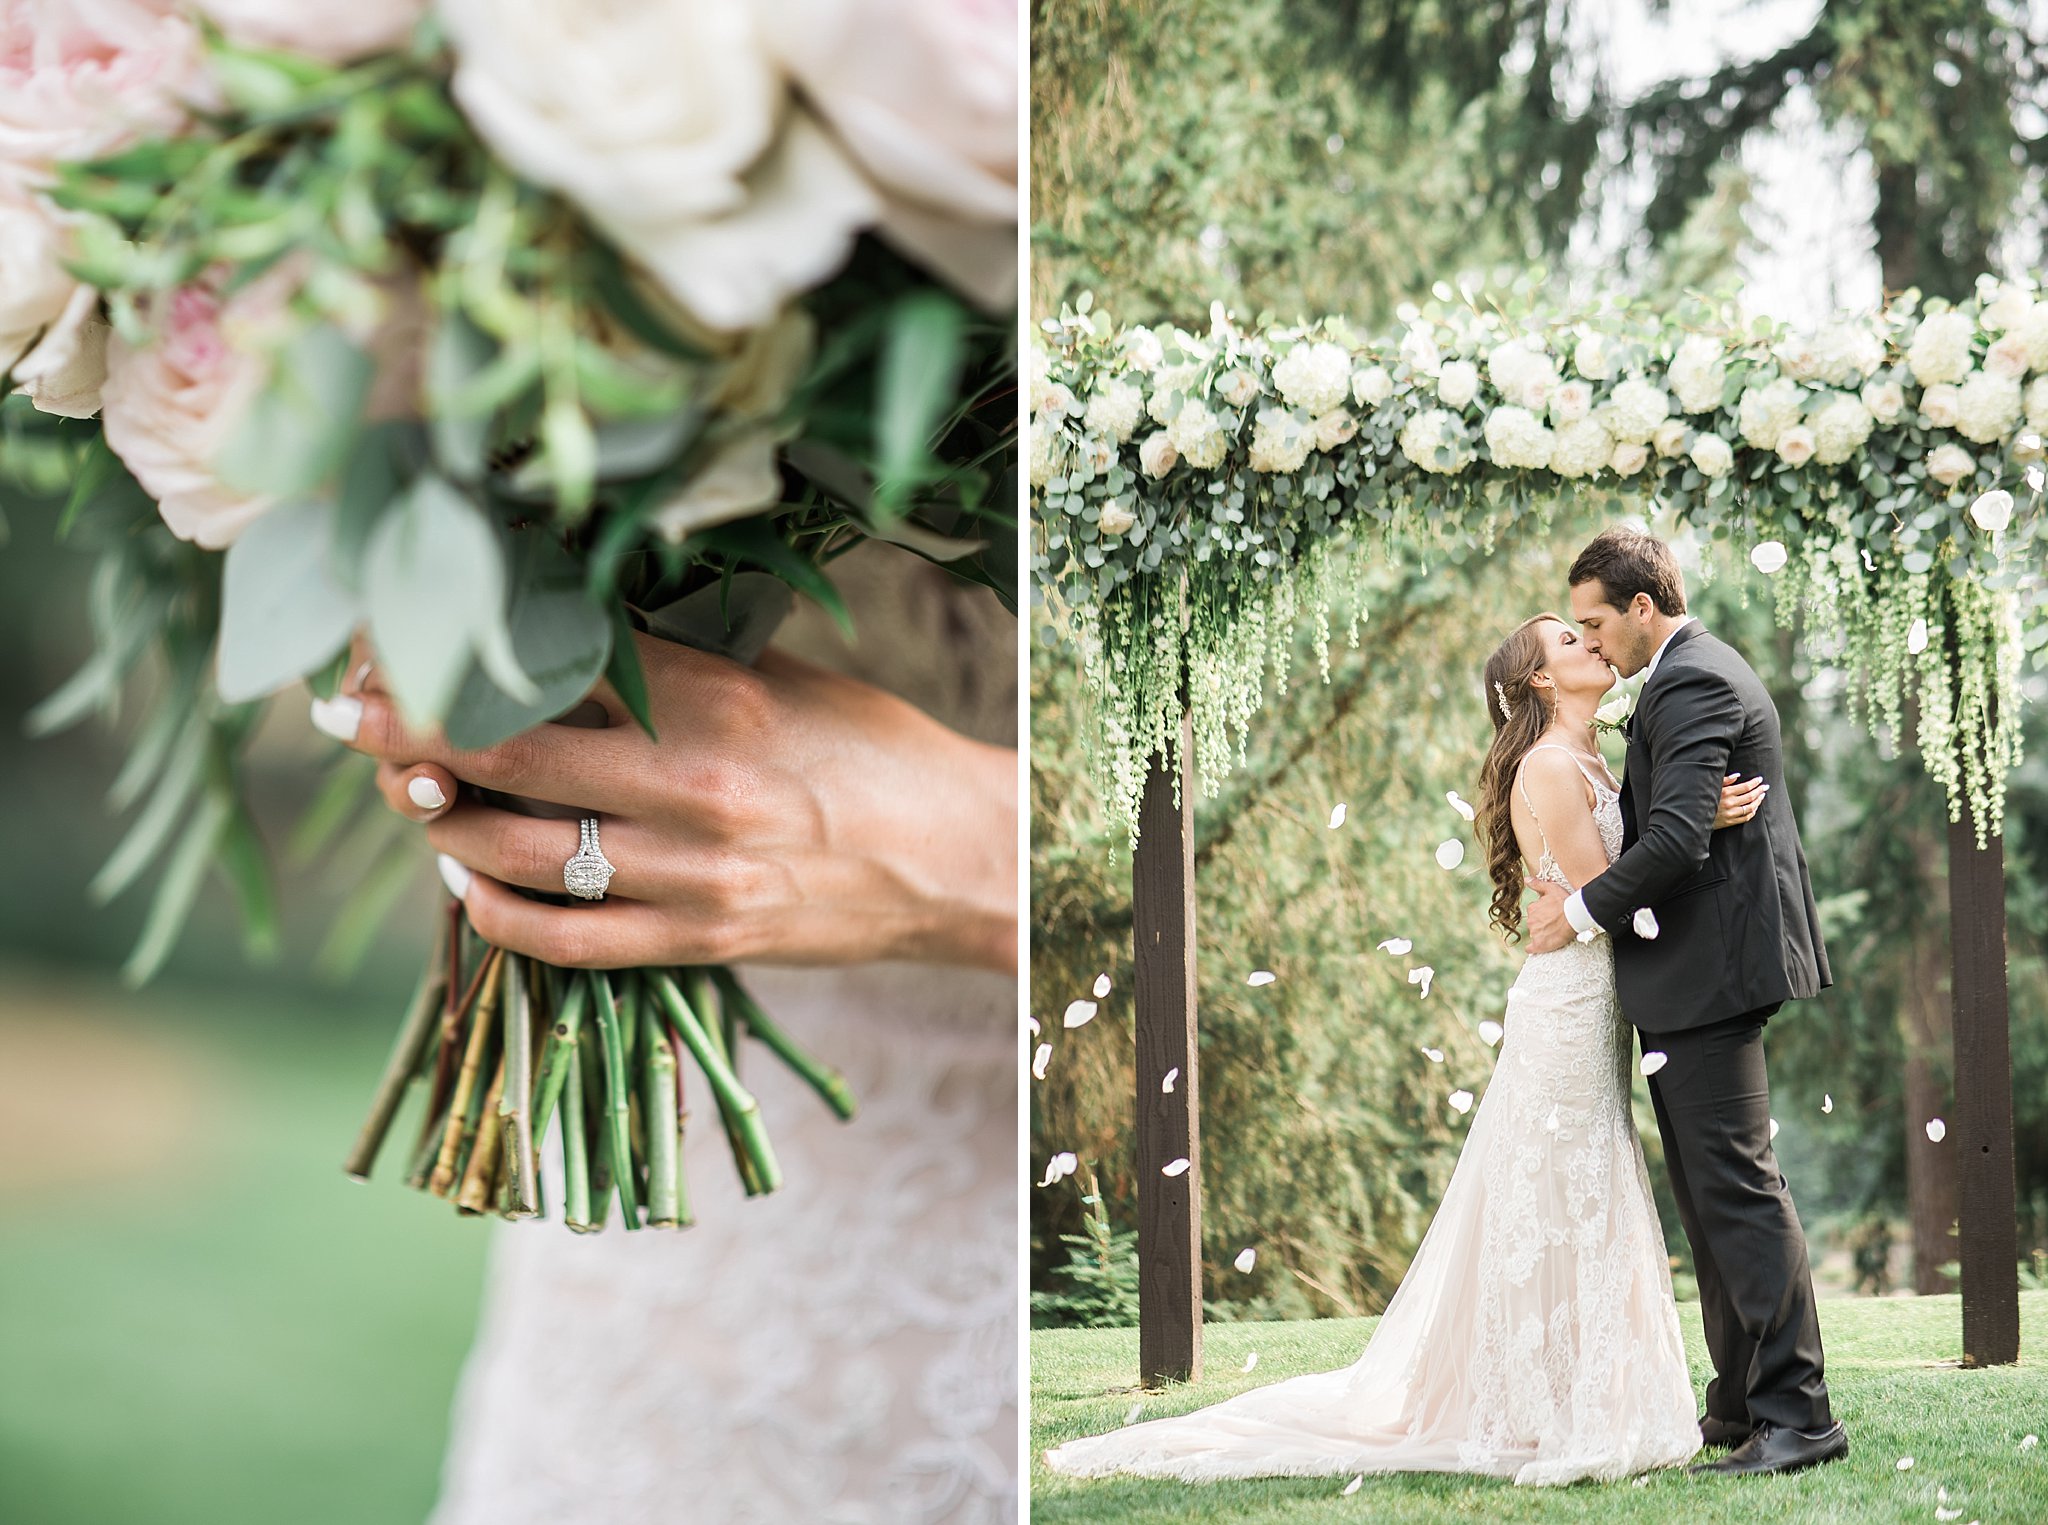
(1373, 459)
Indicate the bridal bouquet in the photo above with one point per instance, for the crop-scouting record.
(488, 335)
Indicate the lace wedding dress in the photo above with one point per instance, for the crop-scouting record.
(1534, 1336)
(844, 1351)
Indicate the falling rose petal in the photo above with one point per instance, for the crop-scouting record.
(1035, 1028)
(1550, 1122)
(1079, 1014)
(1653, 1062)
(1993, 511)
(1449, 854)
(1166, 1085)
(1645, 923)
(1769, 558)
(1774, 1127)
(1916, 637)
(1261, 977)
(1337, 816)
(1060, 1166)
(1039, 1061)
(1490, 1032)
(1251, 1359)
(1641, 1482)
(2028, 1442)
(1463, 808)
(1904, 1464)
(1132, 1416)
(1461, 1102)
(1948, 1514)
(1869, 562)
(1397, 946)
(1827, 1102)
(1436, 1055)
(1354, 1485)
(1246, 1258)
(1101, 986)
(1177, 1167)
(1422, 975)
(1937, 1130)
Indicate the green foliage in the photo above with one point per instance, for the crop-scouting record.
(1097, 1288)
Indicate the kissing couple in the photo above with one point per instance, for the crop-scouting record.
(1535, 1336)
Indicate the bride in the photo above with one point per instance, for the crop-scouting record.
(1534, 1336)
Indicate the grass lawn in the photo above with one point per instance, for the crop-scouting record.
(202, 1322)
(1885, 1374)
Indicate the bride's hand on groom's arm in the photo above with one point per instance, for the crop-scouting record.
(787, 815)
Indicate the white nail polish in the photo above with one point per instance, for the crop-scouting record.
(454, 875)
(425, 793)
(340, 717)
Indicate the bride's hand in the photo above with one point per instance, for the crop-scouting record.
(1739, 801)
(788, 815)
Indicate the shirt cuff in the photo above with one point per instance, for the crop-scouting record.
(1576, 913)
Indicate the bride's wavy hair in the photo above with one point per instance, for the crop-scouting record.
(1519, 717)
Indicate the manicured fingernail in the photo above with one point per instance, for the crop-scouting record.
(425, 793)
(340, 717)
(454, 875)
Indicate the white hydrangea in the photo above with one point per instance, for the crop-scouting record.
(1635, 409)
(1157, 455)
(1522, 374)
(1141, 349)
(1941, 405)
(1796, 445)
(1050, 452)
(1844, 354)
(1036, 367)
(1987, 407)
(1581, 449)
(1714, 456)
(2032, 330)
(1840, 426)
(2007, 357)
(1237, 386)
(1766, 412)
(1630, 457)
(2037, 402)
(1571, 401)
(1457, 383)
(1698, 373)
(1885, 398)
(1198, 435)
(1592, 358)
(1949, 464)
(1940, 350)
(1279, 443)
(1115, 519)
(2006, 310)
(1115, 410)
(1372, 386)
(1314, 377)
(1432, 430)
(1168, 381)
(1333, 428)
(1516, 437)
(1670, 437)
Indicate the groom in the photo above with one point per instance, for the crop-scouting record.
(1735, 936)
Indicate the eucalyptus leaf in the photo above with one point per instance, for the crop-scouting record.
(560, 635)
(920, 373)
(283, 612)
(300, 426)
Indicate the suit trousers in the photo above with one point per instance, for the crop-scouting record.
(1713, 1106)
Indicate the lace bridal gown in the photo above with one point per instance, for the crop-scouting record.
(842, 1352)
(1534, 1336)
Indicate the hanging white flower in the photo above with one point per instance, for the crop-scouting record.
(1796, 445)
(1581, 449)
(1457, 383)
(1987, 407)
(1434, 430)
(1885, 398)
(1592, 358)
(1116, 520)
(1157, 455)
(1333, 428)
(1992, 511)
(1770, 557)
(1198, 435)
(1940, 350)
(1115, 410)
(1766, 412)
(1314, 377)
(1714, 456)
(1635, 410)
(1516, 437)
(1372, 386)
(1698, 374)
(1840, 427)
(1279, 443)
(1522, 374)
(1949, 464)
(1669, 439)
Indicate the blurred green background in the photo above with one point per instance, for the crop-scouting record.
(201, 1318)
(1297, 157)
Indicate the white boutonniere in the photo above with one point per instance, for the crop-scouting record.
(1614, 714)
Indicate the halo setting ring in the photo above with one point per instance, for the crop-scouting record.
(587, 874)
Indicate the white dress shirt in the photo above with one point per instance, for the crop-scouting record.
(1575, 908)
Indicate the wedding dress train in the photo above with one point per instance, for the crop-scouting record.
(1534, 1336)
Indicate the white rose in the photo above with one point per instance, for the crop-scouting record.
(65, 372)
(1636, 410)
(1713, 455)
(1592, 359)
(1698, 373)
(2007, 357)
(1237, 387)
(45, 314)
(1582, 448)
(1457, 383)
(1313, 377)
(1432, 430)
(1940, 350)
(738, 478)
(80, 81)
(1630, 457)
(2036, 401)
(1334, 428)
(1055, 400)
(337, 31)
(1516, 437)
(1141, 349)
(1840, 427)
(1372, 386)
(1885, 398)
(1766, 412)
(1949, 464)
(1157, 455)
(1198, 435)
(1796, 445)
(1993, 511)
(1570, 402)
(735, 198)
(1987, 407)
(923, 95)
(1115, 519)
(1670, 437)
(1797, 357)
(1941, 405)
(1114, 410)
(1279, 443)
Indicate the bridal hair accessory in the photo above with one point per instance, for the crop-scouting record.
(587, 873)
(1502, 695)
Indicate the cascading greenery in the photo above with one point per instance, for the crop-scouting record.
(1197, 496)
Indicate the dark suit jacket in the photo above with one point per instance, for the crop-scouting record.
(1737, 928)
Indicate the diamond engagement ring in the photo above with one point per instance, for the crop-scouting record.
(587, 873)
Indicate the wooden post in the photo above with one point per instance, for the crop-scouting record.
(1982, 1133)
(1168, 1129)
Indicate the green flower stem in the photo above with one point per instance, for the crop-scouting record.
(455, 1028)
(821, 1077)
(742, 1112)
(575, 1154)
(481, 1151)
(618, 1138)
(515, 1118)
(426, 1151)
(557, 1055)
(673, 1042)
(657, 1116)
(399, 1069)
(460, 1116)
(699, 996)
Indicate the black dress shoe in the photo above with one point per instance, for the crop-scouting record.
(1724, 1432)
(1773, 1448)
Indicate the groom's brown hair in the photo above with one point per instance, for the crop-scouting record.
(1626, 562)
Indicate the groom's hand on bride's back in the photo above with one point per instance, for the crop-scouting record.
(1549, 927)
